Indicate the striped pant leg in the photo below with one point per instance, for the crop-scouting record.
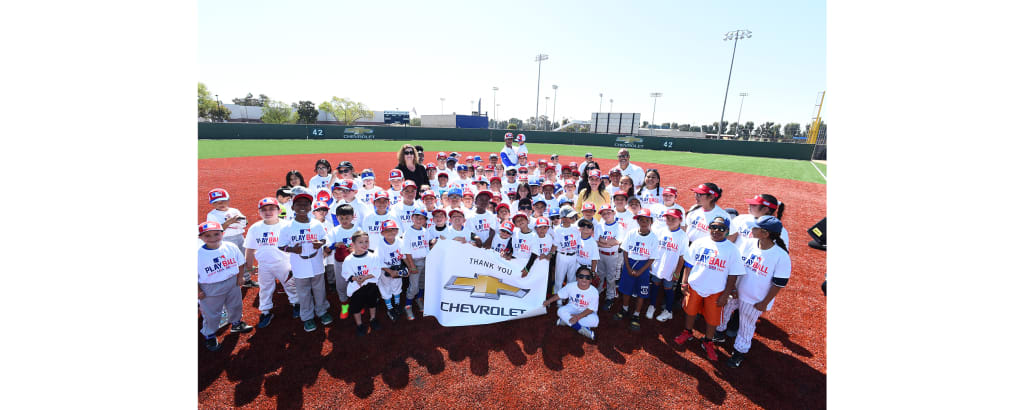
(748, 318)
(730, 307)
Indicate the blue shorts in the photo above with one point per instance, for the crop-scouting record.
(639, 286)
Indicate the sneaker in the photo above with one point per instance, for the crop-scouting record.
(709, 347)
(620, 315)
(735, 360)
(240, 327)
(684, 337)
(719, 336)
(587, 333)
(344, 311)
(212, 344)
(664, 316)
(391, 314)
(295, 311)
(374, 324)
(634, 324)
(223, 319)
(309, 325)
(606, 305)
(650, 312)
(326, 319)
(361, 330)
(419, 304)
(265, 320)
(250, 284)
(560, 322)
(409, 315)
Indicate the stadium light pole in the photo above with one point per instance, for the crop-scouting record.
(494, 101)
(442, 105)
(546, 99)
(536, 108)
(471, 107)
(742, 97)
(600, 105)
(554, 105)
(655, 95)
(735, 36)
(611, 105)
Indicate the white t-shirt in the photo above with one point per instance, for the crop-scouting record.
(523, 243)
(521, 149)
(634, 172)
(613, 231)
(460, 183)
(566, 239)
(342, 235)
(318, 183)
(394, 196)
(658, 214)
(713, 262)
(415, 242)
(402, 214)
(236, 228)
(263, 238)
(640, 247)
(586, 253)
(367, 264)
(451, 233)
(697, 222)
(481, 224)
(671, 245)
(365, 195)
(434, 233)
(579, 300)
(499, 245)
(372, 224)
(650, 197)
(359, 211)
(218, 265)
(743, 224)
(626, 217)
(762, 265)
(541, 246)
(298, 233)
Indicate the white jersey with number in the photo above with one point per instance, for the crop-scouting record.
(262, 239)
(742, 226)
(671, 245)
(762, 265)
(304, 234)
(697, 221)
(713, 262)
(220, 264)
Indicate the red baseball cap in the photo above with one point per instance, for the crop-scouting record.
(322, 196)
(671, 191)
(468, 194)
(508, 136)
(573, 164)
(594, 173)
(548, 183)
(508, 227)
(495, 178)
(441, 155)
(542, 221)
(520, 214)
(501, 205)
(758, 200)
(431, 166)
(589, 206)
(644, 212)
(522, 155)
(320, 204)
(441, 210)
(209, 226)
(485, 192)
(550, 168)
(523, 169)
(453, 211)
(542, 161)
(395, 174)
(674, 212)
(389, 224)
(300, 191)
(570, 182)
(489, 168)
(439, 174)
(704, 189)
(344, 184)
(267, 201)
(380, 195)
(605, 207)
(531, 164)
(409, 183)
(218, 194)
(620, 193)
(428, 193)
(615, 170)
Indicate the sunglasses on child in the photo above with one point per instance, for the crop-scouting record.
(582, 276)
(719, 228)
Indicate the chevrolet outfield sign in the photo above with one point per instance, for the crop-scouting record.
(357, 133)
(466, 285)
(629, 142)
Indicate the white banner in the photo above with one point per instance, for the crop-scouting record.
(466, 285)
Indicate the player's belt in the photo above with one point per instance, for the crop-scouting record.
(608, 253)
(311, 256)
(566, 254)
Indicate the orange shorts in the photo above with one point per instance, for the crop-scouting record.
(706, 306)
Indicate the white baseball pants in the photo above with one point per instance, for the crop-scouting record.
(268, 278)
(748, 319)
(565, 267)
(589, 321)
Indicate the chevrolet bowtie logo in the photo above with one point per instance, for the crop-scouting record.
(484, 287)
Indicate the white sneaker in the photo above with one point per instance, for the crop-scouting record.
(650, 312)
(561, 322)
(665, 315)
(587, 333)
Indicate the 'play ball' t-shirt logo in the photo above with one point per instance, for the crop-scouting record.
(220, 264)
(709, 258)
(667, 244)
(756, 264)
(639, 249)
(268, 238)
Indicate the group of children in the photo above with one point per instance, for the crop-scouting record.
(345, 234)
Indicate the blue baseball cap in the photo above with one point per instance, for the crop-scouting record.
(723, 218)
(554, 213)
(454, 191)
(477, 158)
(534, 182)
(564, 201)
(768, 223)
(419, 211)
(461, 167)
(367, 174)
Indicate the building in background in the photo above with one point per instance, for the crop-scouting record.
(245, 113)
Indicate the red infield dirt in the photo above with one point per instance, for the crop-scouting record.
(521, 363)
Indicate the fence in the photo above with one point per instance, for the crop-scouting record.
(220, 131)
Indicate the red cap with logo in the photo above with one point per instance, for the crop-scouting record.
(594, 173)
(431, 166)
(589, 206)
(542, 222)
(758, 200)
(267, 201)
(209, 226)
(643, 212)
(388, 224)
(380, 195)
(408, 183)
(605, 207)
(218, 194)
(671, 191)
(456, 211)
(674, 212)
(704, 189)
(428, 193)
(320, 205)
(508, 227)
(441, 155)
(395, 174)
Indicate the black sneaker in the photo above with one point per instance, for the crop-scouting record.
(634, 324)
(361, 330)
(374, 324)
(606, 305)
(735, 360)
(620, 315)
(250, 284)
(240, 327)
(295, 311)
(719, 336)
(212, 344)
(265, 319)
(391, 314)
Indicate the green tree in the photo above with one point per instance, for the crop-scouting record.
(345, 110)
(675, 125)
(415, 122)
(209, 108)
(644, 124)
(306, 112)
(792, 130)
(276, 112)
(247, 101)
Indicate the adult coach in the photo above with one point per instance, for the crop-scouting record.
(409, 164)
(629, 170)
(509, 154)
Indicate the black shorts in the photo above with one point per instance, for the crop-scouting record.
(366, 297)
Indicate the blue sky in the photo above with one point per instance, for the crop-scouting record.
(407, 55)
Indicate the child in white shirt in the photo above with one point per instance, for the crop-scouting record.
(580, 313)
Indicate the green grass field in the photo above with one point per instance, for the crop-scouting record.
(771, 167)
